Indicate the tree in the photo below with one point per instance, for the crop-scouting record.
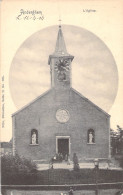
(116, 140)
(120, 140)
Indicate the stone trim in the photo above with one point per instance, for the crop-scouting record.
(91, 143)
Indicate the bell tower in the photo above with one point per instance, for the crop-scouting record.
(60, 64)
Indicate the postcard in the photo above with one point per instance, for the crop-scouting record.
(61, 94)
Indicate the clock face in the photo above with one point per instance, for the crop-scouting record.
(62, 115)
(62, 65)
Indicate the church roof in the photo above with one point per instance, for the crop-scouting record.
(60, 48)
(86, 99)
(98, 108)
(27, 105)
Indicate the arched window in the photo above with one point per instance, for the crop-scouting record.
(91, 136)
(34, 136)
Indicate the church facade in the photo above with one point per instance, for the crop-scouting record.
(61, 121)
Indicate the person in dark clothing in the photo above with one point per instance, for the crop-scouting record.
(66, 157)
(75, 158)
(61, 157)
(75, 162)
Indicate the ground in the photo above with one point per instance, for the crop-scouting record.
(90, 165)
(82, 192)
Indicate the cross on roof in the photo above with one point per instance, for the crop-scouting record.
(60, 22)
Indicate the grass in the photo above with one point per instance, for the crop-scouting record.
(61, 177)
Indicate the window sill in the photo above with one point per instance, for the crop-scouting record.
(91, 143)
(33, 144)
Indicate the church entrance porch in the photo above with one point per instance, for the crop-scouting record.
(63, 146)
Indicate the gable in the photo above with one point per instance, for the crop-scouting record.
(32, 102)
(89, 102)
(48, 97)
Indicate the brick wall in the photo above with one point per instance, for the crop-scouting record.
(41, 115)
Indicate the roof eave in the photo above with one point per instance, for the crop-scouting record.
(91, 102)
(67, 56)
(27, 105)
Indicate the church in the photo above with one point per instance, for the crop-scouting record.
(61, 121)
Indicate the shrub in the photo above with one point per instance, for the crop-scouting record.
(16, 164)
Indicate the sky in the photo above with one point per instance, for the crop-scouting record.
(94, 71)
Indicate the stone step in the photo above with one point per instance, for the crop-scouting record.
(70, 167)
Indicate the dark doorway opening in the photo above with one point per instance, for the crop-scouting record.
(63, 147)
